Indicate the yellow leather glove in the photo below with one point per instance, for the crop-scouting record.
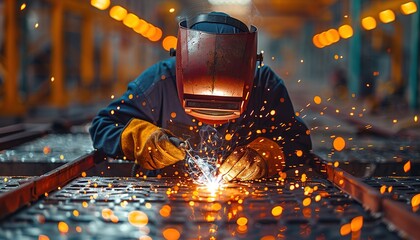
(149, 145)
(261, 158)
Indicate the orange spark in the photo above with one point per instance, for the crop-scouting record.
(63, 227)
(407, 166)
(138, 218)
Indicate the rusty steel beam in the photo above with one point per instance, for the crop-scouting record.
(26, 193)
(15, 199)
(401, 217)
(63, 174)
(395, 213)
(360, 191)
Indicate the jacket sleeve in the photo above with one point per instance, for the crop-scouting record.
(108, 125)
(281, 124)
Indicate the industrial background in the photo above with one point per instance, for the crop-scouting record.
(352, 71)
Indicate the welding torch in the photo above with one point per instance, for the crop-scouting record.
(187, 147)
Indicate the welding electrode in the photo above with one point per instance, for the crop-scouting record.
(185, 146)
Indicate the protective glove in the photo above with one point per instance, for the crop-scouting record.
(149, 145)
(261, 158)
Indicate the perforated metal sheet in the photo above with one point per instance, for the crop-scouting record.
(112, 208)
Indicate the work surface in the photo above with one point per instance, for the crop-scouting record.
(152, 208)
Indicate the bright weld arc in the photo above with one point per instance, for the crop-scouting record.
(211, 183)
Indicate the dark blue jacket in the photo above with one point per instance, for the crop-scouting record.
(153, 97)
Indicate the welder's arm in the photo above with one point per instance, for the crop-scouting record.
(149, 145)
(261, 158)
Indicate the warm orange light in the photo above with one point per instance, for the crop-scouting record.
(150, 32)
(407, 166)
(268, 237)
(242, 221)
(157, 36)
(299, 153)
(216, 206)
(118, 13)
(369, 23)
(131, 20)
(415, 201)
(43, 237)
(356, 224)
(408, 8)
(323, 39)
(228, 136)
(345, 31)
(387, 16)
(339, 143)
(317, 100)
(306, 202)
(63, 227)
(100, 4)
(277, 211)
(382, 189)
(317, 42)
(141, 27)
(171, 234)
(107, 213)
(138, 218)
(345, 229)
(333, 35)
(165, 211)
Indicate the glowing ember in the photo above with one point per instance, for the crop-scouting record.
(415, 201)
(165, 211)
(306, 202)
(407, 166)
(345, 229)
(242, 221)
(277, 211)
(43, 237)
(356, 224)
(317, 100)
(382, 189)
(63, 227)
(138, 218)
(171, 234)
(339, 143)
(268, 237)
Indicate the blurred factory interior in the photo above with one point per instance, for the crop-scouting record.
(351, 68)
(59, 56)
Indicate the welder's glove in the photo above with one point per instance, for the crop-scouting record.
(149, 145)
(261, 158)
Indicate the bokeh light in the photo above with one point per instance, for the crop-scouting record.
(277, 211)
(345, 31)
(339, 143)
(169, 42)
(100, 4)
(138, 218)
(369, 23)
(408, 8)
(131, 20)
(387, 16)
(118, 13)
(171, 234)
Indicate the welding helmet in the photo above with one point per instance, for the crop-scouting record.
(215, 65)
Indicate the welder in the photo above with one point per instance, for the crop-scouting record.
(216, 78)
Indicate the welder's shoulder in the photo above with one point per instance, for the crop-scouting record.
(162, 70)
(265, 76)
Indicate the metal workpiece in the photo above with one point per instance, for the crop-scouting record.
(131, 208)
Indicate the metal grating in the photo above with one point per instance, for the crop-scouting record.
(112, 208)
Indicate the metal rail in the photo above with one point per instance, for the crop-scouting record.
(395, 213)
(26, 193)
